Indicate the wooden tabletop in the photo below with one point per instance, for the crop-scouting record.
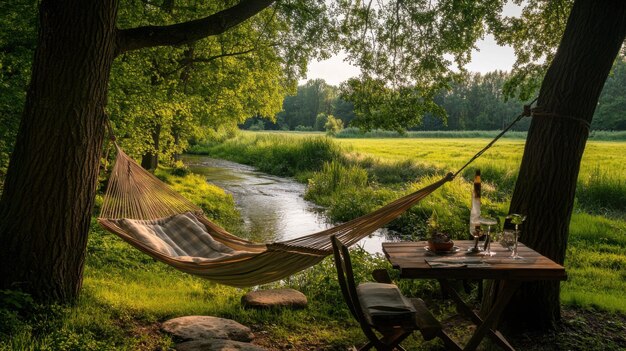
(411, 259)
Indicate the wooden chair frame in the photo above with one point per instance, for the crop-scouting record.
(391, 337)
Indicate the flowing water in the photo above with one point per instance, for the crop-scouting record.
(272, 208)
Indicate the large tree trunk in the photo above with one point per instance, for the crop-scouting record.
(46, 206)
(556, 140)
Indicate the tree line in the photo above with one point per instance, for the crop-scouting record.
(307, 109)
(474, 101)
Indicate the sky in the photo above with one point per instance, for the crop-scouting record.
(489, 57)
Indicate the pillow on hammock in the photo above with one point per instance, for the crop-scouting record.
(181, 236)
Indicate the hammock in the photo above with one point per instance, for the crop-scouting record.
(152, 217)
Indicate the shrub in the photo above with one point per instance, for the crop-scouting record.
(320, 121)
(180, 169)
(333, 125)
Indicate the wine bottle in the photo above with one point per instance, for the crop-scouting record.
(474, 223)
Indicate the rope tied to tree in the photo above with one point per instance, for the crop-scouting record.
(539, 111)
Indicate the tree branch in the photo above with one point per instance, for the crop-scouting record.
(187, 32)
(187, 61)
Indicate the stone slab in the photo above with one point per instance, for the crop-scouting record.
(207, 327)
(284, 298)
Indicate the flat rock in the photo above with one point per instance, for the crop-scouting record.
(217, 345)
(289, 298)
(206, 327)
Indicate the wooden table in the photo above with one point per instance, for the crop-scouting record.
(411, 259)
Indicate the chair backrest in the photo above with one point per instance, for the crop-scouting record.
(348, 286)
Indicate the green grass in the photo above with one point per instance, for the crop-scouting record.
(274, 153)
(126, 293)
(602, 177)
(596, 263)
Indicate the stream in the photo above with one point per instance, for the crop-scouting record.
(272, 208)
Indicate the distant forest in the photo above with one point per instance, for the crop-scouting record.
(475, 103)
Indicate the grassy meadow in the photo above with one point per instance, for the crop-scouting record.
(126, 294)
(596, 256)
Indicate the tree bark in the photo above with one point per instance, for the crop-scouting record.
(46, 205)
(556, 140)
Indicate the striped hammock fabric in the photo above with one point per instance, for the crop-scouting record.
(152, 217)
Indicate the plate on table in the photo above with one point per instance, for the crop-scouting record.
(453, 250)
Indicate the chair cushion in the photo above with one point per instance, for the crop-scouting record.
(384, 306)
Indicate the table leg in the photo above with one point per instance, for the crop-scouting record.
(491, 320)
(504, 296)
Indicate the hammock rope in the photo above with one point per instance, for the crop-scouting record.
(527, 112)
(136, 195)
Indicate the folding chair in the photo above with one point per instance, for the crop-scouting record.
(381, 307)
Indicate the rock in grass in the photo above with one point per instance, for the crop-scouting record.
(217, 345)
(288, 298)
(206, 327)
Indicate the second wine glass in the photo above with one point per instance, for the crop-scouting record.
(516, 219)
(488, 222)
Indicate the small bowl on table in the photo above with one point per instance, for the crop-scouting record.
(435, 246)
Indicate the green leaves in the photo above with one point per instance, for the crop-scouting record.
(161, 97)
(376, 105)
(516, 219)
(17, 43)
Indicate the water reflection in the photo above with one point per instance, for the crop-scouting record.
(272, 208)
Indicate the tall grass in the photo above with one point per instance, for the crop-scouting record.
(273, 153)
(335, 176)
(603, 191)
(392, 173)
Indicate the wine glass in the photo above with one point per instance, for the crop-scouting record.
(476, 233)
(516, 219)
(488, 222)
(507, 239)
